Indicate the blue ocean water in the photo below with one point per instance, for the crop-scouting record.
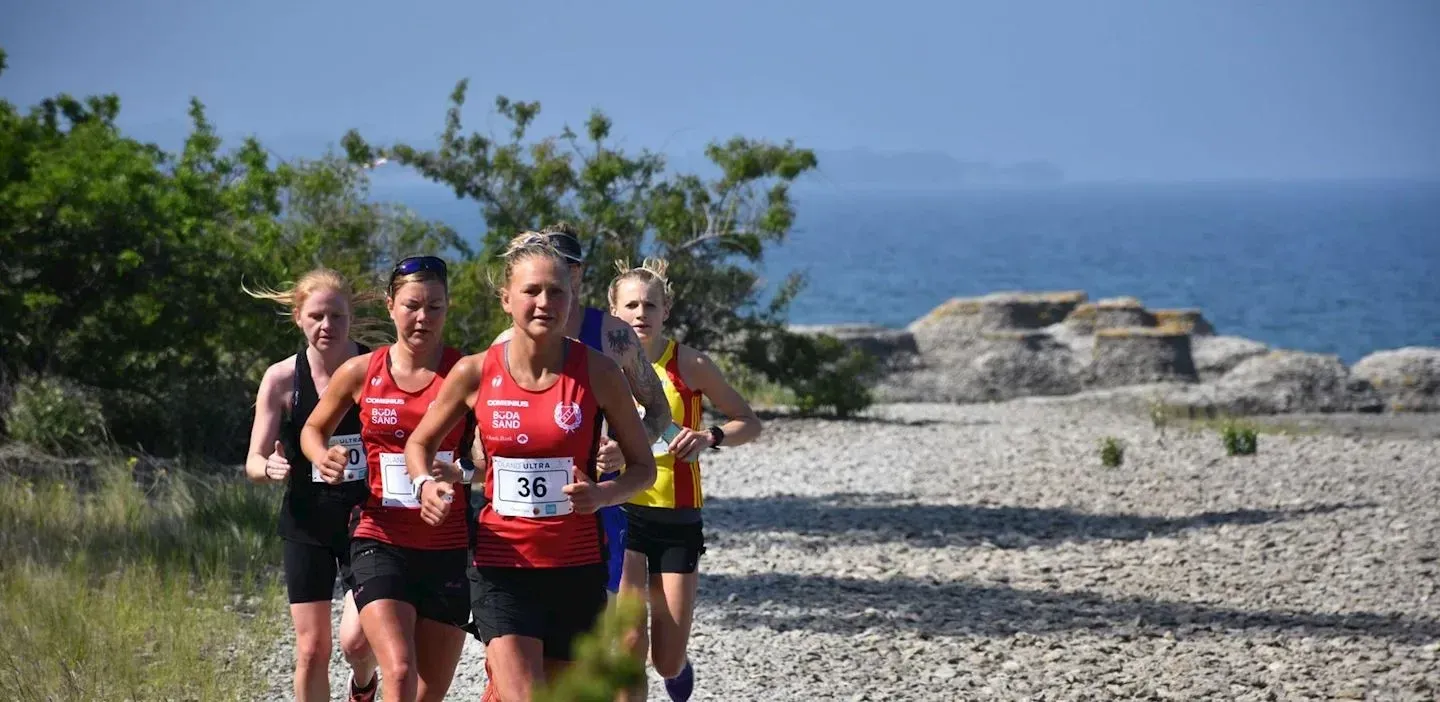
(1337, 267)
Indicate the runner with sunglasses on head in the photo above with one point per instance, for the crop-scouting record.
(409, 569)
(314, 515)
(664, 535)
(538, 579)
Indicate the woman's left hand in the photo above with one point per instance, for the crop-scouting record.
(687, 445)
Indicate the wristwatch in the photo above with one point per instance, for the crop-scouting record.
(716, 436)
(416, 484)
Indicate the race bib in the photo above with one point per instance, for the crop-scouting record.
(397, 490)
(531, 487)
(355, 468)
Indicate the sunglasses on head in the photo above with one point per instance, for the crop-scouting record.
(416, 264)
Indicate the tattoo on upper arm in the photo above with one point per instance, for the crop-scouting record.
(651, 394)
(621, 340)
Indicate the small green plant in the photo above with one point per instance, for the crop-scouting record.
(1160, 415)
(603, 666)
(1112, 452)
(57, 417)
(1240, 439)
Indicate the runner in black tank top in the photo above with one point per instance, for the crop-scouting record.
(314, 519)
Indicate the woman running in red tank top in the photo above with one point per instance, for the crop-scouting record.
(409, 571)
(538, 576)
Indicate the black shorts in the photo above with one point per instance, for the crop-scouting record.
(310, 570)
(431, 581)
(668, 547)
(555, 605)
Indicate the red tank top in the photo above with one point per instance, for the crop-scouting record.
(533, 440)
(387, 416)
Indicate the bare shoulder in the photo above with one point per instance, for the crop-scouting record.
(503, 336)
(697, 369)
(281, 372)
(469, 367)
(690, 357)
(279, 380)
(359, 363)
(351, 374)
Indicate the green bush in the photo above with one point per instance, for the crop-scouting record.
(121, 264)
(602, 665)
(754, 386)
(1239, 439)
(822, 373)
(1112, 452)
(57, 417)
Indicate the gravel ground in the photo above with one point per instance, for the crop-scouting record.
(938, 552)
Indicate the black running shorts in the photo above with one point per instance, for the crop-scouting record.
(555, 605)
(667, 547)
(310, 570)
(432, 581)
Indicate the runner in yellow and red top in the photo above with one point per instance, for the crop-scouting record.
(664, 532)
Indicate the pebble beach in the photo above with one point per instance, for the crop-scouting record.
(948, 552)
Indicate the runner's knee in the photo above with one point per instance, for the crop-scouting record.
(354, 644)
(401, 668)
(311, 653)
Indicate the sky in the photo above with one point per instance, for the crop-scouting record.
(1145, 90)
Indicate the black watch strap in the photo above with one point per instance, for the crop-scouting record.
(716, 436)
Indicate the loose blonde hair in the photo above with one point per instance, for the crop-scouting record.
(293, 297)
(651, 270)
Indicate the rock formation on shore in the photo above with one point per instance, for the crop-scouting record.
(1018, 344)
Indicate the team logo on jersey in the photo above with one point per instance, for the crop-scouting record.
(375, 381)
(399, 433)
(495, 382)
(522, 439)
(568, 416)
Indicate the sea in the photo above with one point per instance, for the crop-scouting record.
(1335, 267)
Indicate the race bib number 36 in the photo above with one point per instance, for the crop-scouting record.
(531, 487)
(355, 468)
(395, 479)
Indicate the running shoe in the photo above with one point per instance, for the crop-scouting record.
(680, 686)
(364, 695)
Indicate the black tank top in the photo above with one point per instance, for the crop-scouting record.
(312, 511)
